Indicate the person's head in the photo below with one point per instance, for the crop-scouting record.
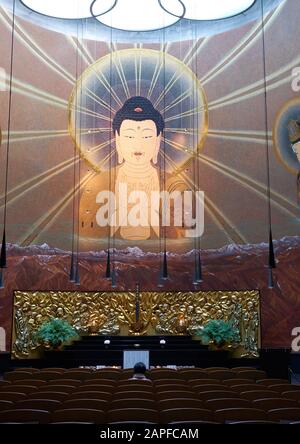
(139, 368)
(138, 127)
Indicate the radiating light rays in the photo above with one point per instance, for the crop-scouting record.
(156, 74)
(95, 98)
(185, 95)
(27, 90)
(105, 83)
(138, 73)
(219, 218)
(81, 49)
(258, 137)
(98, 100)
(197, 46)
(50, 216)
(29, 185)
(254, 186)
(244, 44)
(34, 48)
(107, 158)
(117, 64)
(87, 112)
(191, 112)
(179, 146)
(256, 88)
(100, 146)
(254, 133)
(119, 68)
(22, 136)
(281, 202)
(182, 130)
(176, 76)
(39, 53)
(101, 78)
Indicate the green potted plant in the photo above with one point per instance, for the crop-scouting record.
(55, 332)
(219, 333)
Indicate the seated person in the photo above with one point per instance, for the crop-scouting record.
(139, 371)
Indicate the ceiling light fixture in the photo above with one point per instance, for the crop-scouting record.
(64, 9)
(139, 15)
(215, 9)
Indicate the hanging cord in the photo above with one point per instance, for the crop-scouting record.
(161, 203)
(108, 273)
(3, 246)
(165, 263)
(193, 124)
(77, 274)
(198, 262)
(271, 261)
(72, 268)
(113, 180)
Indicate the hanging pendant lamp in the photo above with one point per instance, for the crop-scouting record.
(198, 269)
(77, 274)
(72, 269)
(113, 278)
(3, 252)
(271, 258)
(160, 282)
(1, 278)
(272, 261)
(165, 266)
(270, 278)
(107, 272)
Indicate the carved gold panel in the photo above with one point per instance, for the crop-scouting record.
(126, 313)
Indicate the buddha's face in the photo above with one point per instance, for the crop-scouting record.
(138, 143)
(296, 149)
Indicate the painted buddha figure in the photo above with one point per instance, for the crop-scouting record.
(138, 129)
(125, 202)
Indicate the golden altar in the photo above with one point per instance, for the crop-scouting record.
(115, 313)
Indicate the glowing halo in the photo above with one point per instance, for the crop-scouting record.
(183, 106)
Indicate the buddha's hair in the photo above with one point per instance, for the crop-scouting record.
(138, 108)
